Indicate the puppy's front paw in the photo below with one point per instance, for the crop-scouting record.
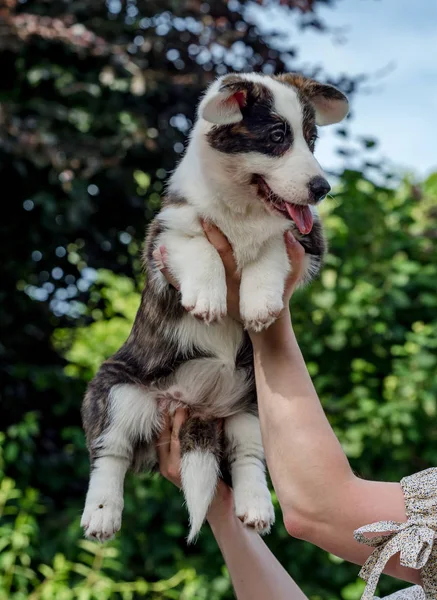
(101, 521)
(254, 508)
(257, 314)
(208, 305)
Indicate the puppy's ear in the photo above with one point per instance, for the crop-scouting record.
(223, 106)
(330, 104)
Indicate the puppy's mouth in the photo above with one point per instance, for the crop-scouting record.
(300, 214)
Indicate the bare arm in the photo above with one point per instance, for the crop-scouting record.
(256, 574)
(322, 500)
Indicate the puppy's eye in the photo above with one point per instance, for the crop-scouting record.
(277, 136)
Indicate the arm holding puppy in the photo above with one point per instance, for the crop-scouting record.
(322, 500)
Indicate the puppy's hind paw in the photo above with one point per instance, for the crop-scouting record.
(101, 521)
(255, 509)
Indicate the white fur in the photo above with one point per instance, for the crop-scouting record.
(101, 517)
(217, 187)
(253, 503)
(210, 386)
(287, 176)
(221, 340)
(199, 269)
(262, 286)
(199, 474)
(133, 415)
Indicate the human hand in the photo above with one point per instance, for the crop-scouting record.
(295, 251)
(169, 448)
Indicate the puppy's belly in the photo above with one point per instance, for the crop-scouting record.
(209, 387)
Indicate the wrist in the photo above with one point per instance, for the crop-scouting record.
(222, 506)
(280, 332)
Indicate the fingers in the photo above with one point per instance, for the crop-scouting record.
(161, 260)
(178, 420)
(175, 445)
(169, 448)
(223, 247)
(163, 442)
(296, 255)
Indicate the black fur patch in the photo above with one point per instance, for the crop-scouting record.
(244, 358)
(315, 242)
(260, 130)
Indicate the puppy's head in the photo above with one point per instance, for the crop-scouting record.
(264, 129)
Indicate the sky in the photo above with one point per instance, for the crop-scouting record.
(399, 109)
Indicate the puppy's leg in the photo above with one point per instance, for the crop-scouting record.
(262, 286)
(253, 503)
(197, 266)
(133, 416)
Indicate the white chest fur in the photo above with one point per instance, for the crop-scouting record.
(221, 340)
(247, 233)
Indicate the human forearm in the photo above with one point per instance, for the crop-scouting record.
(255, 572)
(322, 500)
(306, 462)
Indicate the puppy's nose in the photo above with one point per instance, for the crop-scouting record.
(319, 187)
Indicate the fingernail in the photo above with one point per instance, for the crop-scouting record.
(290, 237)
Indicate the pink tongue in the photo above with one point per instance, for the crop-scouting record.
(301, 215)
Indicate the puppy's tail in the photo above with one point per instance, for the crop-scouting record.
(201, 451)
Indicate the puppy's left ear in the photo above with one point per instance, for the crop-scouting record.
(223, 106)
(330, 104)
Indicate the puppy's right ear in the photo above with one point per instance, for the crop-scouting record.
(223, 106)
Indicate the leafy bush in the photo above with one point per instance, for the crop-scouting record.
(368, 330)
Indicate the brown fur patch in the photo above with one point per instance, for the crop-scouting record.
(231, 78)
(199, 434)
(304, 87)
(309, 87)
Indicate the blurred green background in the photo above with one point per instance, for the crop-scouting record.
(96, 101)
